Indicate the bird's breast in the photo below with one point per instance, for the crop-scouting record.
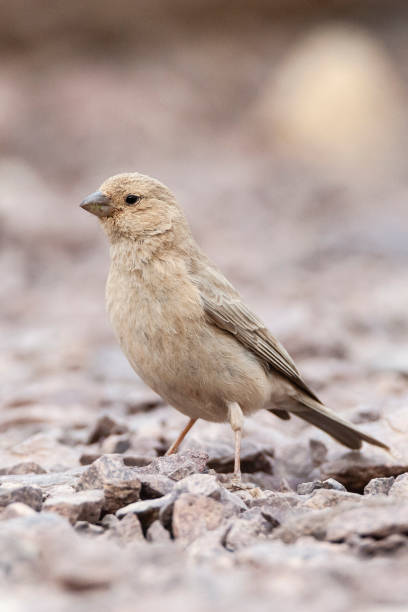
(156, 316)
(162, 328)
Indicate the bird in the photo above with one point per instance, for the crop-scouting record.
(185, 329)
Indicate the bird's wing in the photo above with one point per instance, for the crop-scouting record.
(225, 308)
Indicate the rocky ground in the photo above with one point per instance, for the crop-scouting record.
(94, 516)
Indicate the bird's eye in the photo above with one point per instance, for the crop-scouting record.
(132, 199)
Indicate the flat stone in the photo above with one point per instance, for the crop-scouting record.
(80, 506)
(26, 494)
(120, 484)
(379, 486)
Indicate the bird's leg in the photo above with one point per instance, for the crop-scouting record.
(236, 419)
(174, 447)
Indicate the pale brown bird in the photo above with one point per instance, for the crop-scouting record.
(185, 329)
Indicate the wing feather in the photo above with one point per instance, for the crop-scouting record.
(225, 308)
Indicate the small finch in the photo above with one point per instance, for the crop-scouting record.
(185, 329)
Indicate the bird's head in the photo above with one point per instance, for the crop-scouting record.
(134, 206)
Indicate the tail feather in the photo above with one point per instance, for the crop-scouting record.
(316, 414)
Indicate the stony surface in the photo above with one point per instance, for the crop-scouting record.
(193, 529)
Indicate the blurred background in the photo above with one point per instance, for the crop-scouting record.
(282, 128)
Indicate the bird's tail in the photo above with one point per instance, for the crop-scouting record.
(316, 414)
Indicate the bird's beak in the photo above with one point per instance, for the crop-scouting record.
(98, 204)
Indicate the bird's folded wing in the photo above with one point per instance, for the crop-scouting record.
(225, 308)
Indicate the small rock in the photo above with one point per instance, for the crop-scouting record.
(200, 484)
(304, 524)
(318, 452)
(371, 547)
(154, 485)
(88, 458)
(379, 486)
(209, 486)
(126, 530)
(48, 481)
(26, 494)
(109, 521)
(157, 533)
(137, 460)
(16, 510)
(130, 529)
(147, 511)
(282, 506)
(116, 444)
(104, 427)
(83, 575)
(25, 467)
(85, 528)
(129, 460)
(205, 485)
(400, 487)
(248, 528)
(193, 515)
(120, 484)
(306, 488)
(325, 498)
(178, 466)
(60, 491)
(81, 506)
